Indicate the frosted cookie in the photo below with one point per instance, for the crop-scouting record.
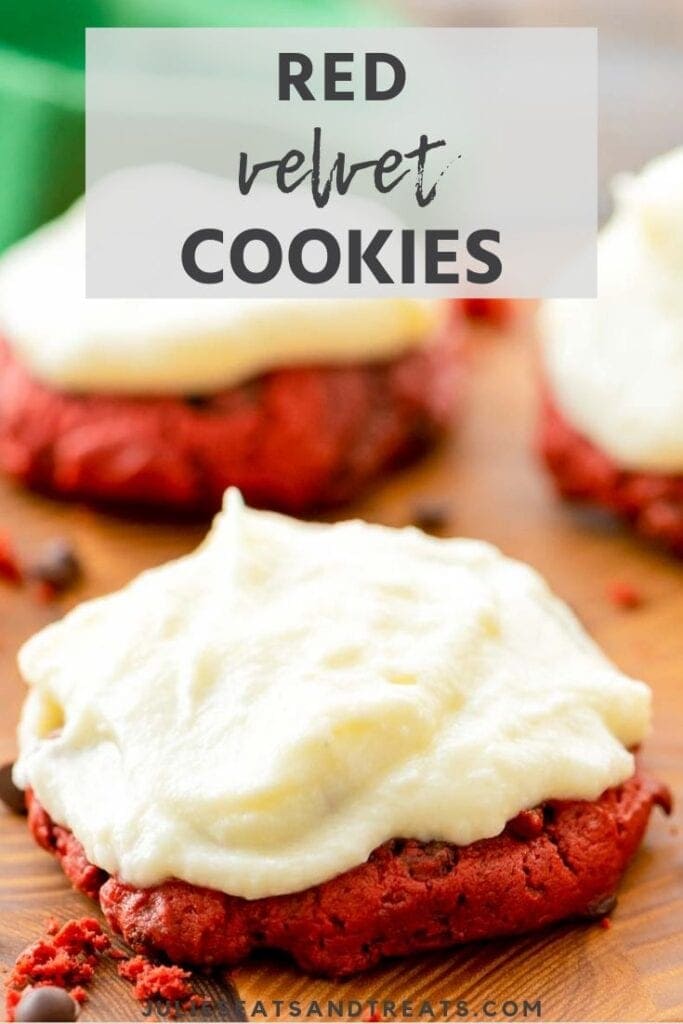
(301, 404)
(345, 741)
(611, 429)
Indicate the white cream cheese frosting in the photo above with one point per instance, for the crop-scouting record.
(258, 716)
(179, 346)
(615, 363)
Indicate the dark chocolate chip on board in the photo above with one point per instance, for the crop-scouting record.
(47, 1003)
(11, 796)
(57, 565)
(431, 516)
(601, 907)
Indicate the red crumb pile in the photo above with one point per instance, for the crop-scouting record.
(66, 956)
(157, 981)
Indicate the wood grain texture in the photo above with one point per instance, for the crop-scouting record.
(490, 480)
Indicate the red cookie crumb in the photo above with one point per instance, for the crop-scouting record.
(67, 957)
(605, 922)
(44, 592)
(160, 981)
(624, 595)
(9, 564)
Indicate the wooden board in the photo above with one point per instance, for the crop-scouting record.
(490, 480)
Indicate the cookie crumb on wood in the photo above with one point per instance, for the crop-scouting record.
(66, 958)
(624, 595)
(10, 570)
(160, 981)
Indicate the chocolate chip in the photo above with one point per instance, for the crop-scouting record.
(432, 516)
(601, 907)
(46, 1003)
(58, 565)
(11, 796)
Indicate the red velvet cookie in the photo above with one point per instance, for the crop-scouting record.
(563, 860)
(651, 502)
(293, 439)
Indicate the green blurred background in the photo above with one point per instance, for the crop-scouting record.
(42, 87)
(42, 82)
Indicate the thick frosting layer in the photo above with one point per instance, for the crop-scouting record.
(179, 346)
(259, 715)
(615, 364)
